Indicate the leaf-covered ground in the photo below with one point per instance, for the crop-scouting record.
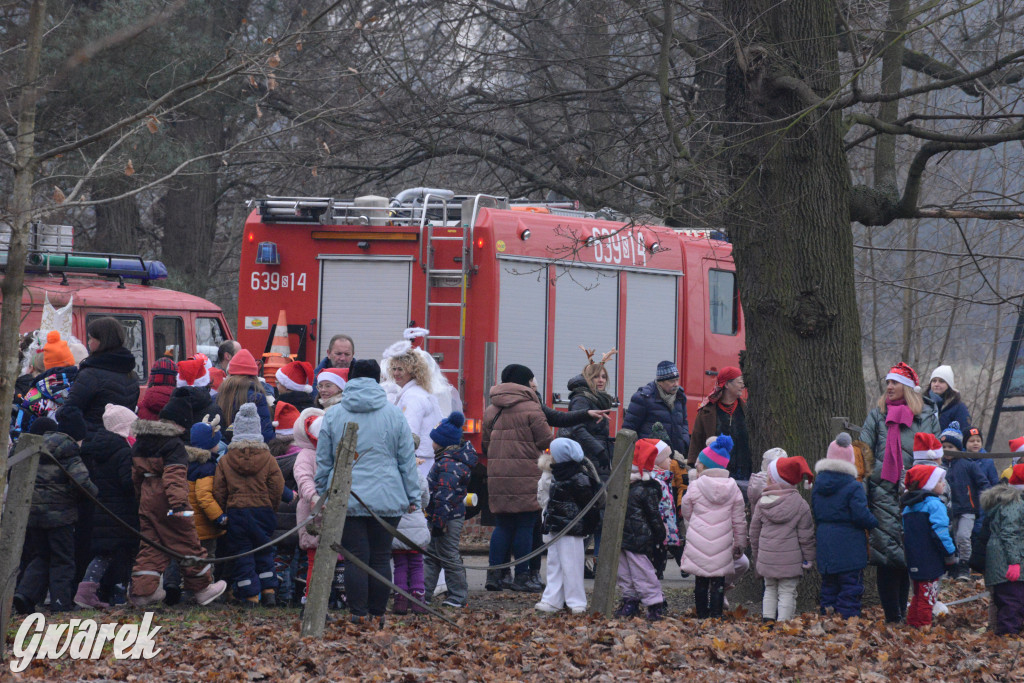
(501, 639)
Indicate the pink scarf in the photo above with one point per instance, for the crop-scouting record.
(897, 415)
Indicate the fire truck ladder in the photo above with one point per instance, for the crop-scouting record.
(440, 231)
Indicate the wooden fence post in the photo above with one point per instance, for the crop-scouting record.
(20, 484)
(314, 616)
(607, 570)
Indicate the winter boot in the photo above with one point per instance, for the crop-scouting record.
(401, 605)
(173, 596)
(496, 580)
(23, 605)
(628, 607)
(416, 609)
(147, 600)
(534, 582)
(268, 598)
(963, 572)
(251, 602)
(210, 593)
(523, 583)
(86, 596)
(656, 612)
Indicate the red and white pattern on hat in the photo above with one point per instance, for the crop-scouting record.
(192, 373)
(285, 416)
(790, 470)
(644, 448)
(296, 376)
(905, 375)
(924, 477)
(336, 376)
(1017, 445)
(1017, 475)
(926, 447)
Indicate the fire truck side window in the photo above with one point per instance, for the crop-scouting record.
(722, 301)
(209, 336)
(134, 340)
(169, 338)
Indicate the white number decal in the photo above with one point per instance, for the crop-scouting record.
(277, 281)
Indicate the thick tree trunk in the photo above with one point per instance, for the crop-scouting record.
(117, 222)
(789, 220)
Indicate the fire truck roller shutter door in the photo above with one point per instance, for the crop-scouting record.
(367, 299)
(523, 317)
(651, 322)
(587, 313)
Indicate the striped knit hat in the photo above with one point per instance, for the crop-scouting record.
(717, 454)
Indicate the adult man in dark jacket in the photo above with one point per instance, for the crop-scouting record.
(664, 401)
(340, 351)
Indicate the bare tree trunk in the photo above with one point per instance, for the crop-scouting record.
(117, 222)
(21, 205)
(790, 225)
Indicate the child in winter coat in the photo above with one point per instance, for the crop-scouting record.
(568, 482)
(306, 431)
(662, 473)
(966, 483)
(642, 532)
(162, 379)
(408, 562)
(1004, 508)
(203, 454)
(49, 550)
(113, 547)
(782, 537)
(929, 548)
(287, 554)
(975, 444)
(842, 518)
(454, 460)
(758, 480)
(716, 527)
(248, 486)
(295, 382)
(159, 473)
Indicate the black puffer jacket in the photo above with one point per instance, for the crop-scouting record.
(300, 399)
(646, 408)
(110, 468)
(574, 484)
(643, 529)
(592, 435)
(55, 497)
(287, 517)
(104, 378)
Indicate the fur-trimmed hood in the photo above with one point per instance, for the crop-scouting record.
(199, 455)
(156, 428)
(832, 465)
(545, 461)
(1000, 494)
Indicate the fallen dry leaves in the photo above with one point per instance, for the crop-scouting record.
(505, 641)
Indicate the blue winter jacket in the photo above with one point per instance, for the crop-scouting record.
(384, 475)
(841, 517)
(926, 535)
(966, 482)
(646, 408)
(988, 469)
(952, 411)
(448, 480)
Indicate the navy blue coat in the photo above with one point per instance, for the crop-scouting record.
(966, 482)
(110, 467)
(952, 410)
(646, 408)
(841, 515)
(926, 539)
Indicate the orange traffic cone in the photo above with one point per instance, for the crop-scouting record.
(280, 350)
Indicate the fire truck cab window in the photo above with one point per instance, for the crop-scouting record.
(209, 336)
(722, 301)
(169, 338)
(134, 340)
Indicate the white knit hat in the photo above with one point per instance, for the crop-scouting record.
(945, 373)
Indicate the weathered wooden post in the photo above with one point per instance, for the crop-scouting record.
(13, 522)
(314, 616)
(607, 570)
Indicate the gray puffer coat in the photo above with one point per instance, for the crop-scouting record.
(886, 539)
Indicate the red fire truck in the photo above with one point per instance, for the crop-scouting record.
(495, 282)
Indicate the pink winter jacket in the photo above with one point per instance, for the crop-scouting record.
(781, 532)
(715, 524)
(304, 471)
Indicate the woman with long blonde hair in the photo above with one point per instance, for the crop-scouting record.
(889, 430)
(413, 376)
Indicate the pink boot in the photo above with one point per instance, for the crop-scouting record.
(86, 596)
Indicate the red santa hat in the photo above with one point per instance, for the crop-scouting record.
(285, 415)
(660, 450)
(1017, 475)
(1017, 445)
(926, 447)
(790, 470)
(203, 357)
(192, 373)
(905, 375)
(923, 477)
(336, 376)
(296, 376)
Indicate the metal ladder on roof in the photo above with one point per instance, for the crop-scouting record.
(430, 233)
